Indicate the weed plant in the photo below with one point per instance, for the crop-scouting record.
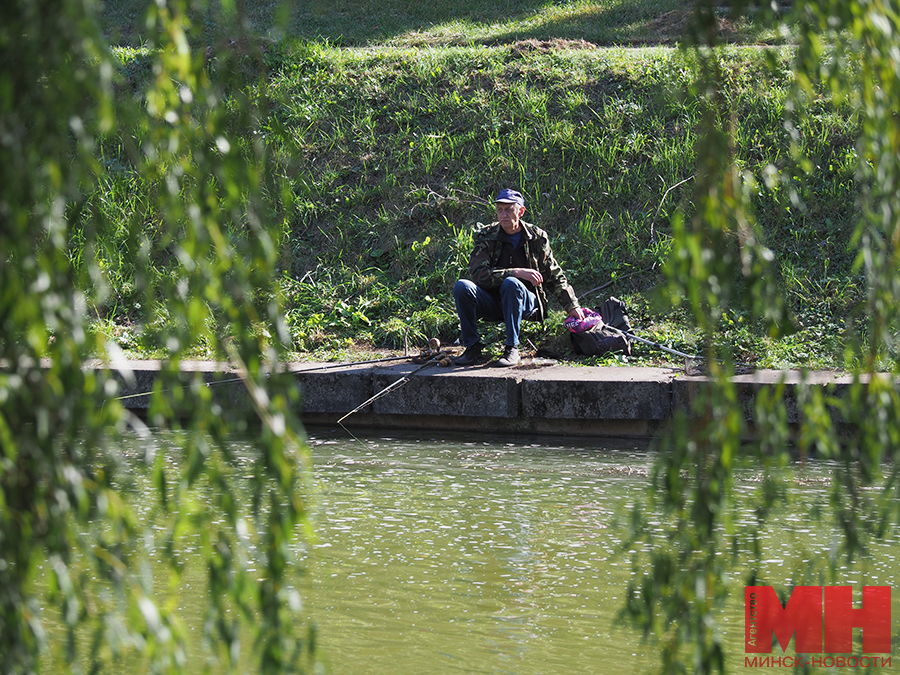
(388, 157)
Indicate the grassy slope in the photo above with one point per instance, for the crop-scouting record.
(390, 153)
(431, 23)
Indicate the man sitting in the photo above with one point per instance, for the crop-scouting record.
(510, 267)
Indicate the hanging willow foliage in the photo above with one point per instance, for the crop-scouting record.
(848, 55)
(68, 119)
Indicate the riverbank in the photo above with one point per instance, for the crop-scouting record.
(537, 397)
(387, 159)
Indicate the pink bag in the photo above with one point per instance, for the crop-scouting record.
(590, 320)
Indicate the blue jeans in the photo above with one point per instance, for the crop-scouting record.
(510, 305)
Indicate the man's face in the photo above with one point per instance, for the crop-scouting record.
(510, 216)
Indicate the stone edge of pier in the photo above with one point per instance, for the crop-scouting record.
(623, 402)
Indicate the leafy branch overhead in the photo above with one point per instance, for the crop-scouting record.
(201, 260)
(717, 254)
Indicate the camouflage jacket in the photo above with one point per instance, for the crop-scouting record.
(484, 270)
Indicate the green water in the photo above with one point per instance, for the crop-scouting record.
(471, 557)
(490, 556)
(498, 557)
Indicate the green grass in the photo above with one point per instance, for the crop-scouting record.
(387, 156)
(413, 24)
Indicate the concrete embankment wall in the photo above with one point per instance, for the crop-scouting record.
(546, 399)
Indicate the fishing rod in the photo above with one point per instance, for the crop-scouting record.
(328, 366)
(686, 357)
(625, 276)
(653, 344)
(394, 385)
(646, 269)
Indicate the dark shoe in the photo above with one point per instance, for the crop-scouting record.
(510, 357)
(471, 356)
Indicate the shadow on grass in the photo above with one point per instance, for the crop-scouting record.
(401, 22)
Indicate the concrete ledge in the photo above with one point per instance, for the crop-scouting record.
(466, 393)
(532, 398)
(335, 391)
(686, 390)
(598, 393)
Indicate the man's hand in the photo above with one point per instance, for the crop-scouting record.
(525, 274)
(578, 313)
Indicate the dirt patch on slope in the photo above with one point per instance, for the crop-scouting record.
(675, 26)
(533, 46)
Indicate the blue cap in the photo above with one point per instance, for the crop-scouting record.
(508, 196)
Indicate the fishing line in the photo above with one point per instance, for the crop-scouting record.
(394, 385)
(240, 379)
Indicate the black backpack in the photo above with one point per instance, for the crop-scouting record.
(601, 338)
